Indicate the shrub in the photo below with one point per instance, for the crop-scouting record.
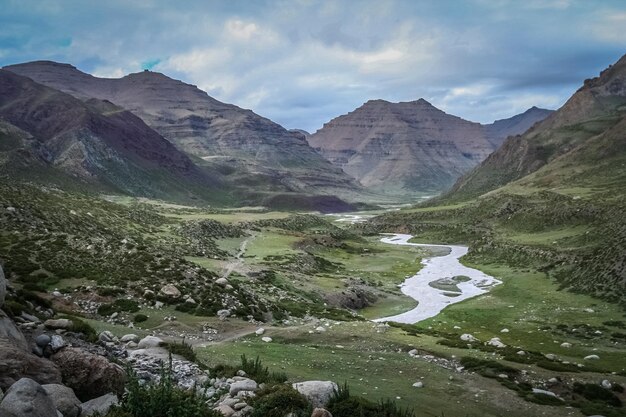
(345, 405)
(140, 318)
(280, 400)
(596, 393)
(557, 366)
(544, 399)
(163, 399)
(118, 306)
(183, 349)
(487, 368)
(254, 369)
(80, 326)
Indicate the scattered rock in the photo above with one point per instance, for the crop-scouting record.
(320, 329)
(418, 384)
(544, 392)
(64, 399)
(226, 410)
(496, 342)
(64, 324)
(149, 342)
(317, 392)
(170, 290)
(89, 375)
(260, 331)
(129, 338)
(57, 343)
(466, 337)
(100, 405)
(266, 339)
(223, 314)
(606, 384)
(413, 352)
(550, 356)
(591, 358)
(222, 281)
(43, 340)
(566, 345)
(504, 330)
(26, 398)
(521, 352)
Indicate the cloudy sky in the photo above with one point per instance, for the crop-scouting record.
(303, 62)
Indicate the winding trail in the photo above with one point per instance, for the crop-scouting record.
(230, 266)
(432, 300)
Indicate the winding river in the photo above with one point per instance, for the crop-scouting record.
(455, 282)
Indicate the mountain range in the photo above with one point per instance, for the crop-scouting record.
(412, 146)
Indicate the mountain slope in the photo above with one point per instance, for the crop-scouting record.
(411, 146)
(252, 150)
(593, 112)
(93, 142)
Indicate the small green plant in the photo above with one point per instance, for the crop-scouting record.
(254, 369)
(140, 318)
(280, 400)
(183, 349)
(343, 404)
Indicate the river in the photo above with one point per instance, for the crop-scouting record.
(439, 271)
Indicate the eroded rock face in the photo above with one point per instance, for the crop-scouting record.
(89, 375)
(26, 398)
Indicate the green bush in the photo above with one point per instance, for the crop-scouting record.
(254, 369)
(596, 393)
(118, 306)
(544, 399)
(140, 318)
(280, 400)
(345, 405)
(487, 368)
(183, 349)
(80, 326)
(163, 399)
(557, 366)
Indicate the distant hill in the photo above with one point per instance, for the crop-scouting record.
(250, 150)
(51, 136)
(412, 146)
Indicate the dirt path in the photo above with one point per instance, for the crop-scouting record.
(232, 265)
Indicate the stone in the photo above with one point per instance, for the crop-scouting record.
(170, 290)
(418, 384)
(320, 329)
(550, 356)
(53, 324)
(129, 338)
(57, 343)
(26, 398)
(89, 375)
(106, 336)
(606, 384)
(226, 410)
(413, 352)
(496, 342)
(266, 339)
(64, 399)
(321, 412)
(466, 337)
(259, 332)
(521, 352)
(318, 393)
(16, 363)
(3, 287)
(100, 405)
(544, 392)
(149, 342)
(591, 358)
(43, 340)
(223, 314)
(240, 406)
(566, 345)
(243, 385)
(10, 333)
(504, 330)
(221, 281)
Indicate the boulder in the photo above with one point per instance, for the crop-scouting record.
(266, 339)
(64, 399)
(259, 332)
(129, 338)
(26, 398)
(54, 324)
(418, 384)
(57, 343)
(591, 358)
(243, 385)
(321, 412)
(100, 405)
(10, 333)
(466, 337)
(43, 340)
(496, 342)
(89, 375)
(606, 384)
(318, 393)
(149, 342)
(170, 290)
(16, 363)
(3, 287)
(222, 281)
(566, 345)
(106, 336)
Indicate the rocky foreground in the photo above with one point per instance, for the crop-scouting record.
(49, 369)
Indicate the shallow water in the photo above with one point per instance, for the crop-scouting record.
(432, 300)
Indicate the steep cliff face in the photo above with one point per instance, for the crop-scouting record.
(584, 120)
(411, 146)
(237, 141)
(94, 142)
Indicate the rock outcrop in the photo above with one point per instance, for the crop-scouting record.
(64, 399)
(26, 398)
(318, 393)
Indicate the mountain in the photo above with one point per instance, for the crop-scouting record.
(565, 147)
(499, 130)
(249, 149)
(50, 135)
(411, 146)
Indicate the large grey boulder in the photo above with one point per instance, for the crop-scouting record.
(243, 385)
(26, 398)
(89, 375)
(318, 393)
(100, 405)
(149, 342)
(64, 399)
(16, 363)
(3, 287)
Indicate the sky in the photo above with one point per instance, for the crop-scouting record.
(303, 62)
